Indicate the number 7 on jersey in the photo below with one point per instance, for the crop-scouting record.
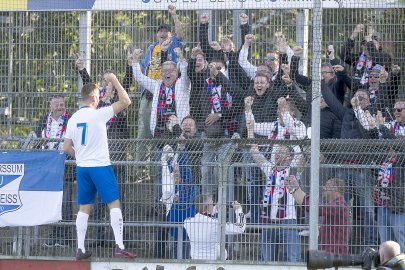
(83, 126)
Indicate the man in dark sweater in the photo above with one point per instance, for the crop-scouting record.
(360, 180)
(215, 103)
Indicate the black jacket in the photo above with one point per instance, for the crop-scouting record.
(337, 86)
(351, 127)
(118, 128)
(236, 73)
(200, 106)
(331, 125)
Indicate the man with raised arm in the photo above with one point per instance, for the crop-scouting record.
(86, 140)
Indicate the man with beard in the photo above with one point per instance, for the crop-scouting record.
(334, 232)
(53, 126)
(179, 182)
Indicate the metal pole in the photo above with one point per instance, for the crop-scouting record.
(315, 126)
(236, 28)
(85, 40)
(10, 74)
(302, 38)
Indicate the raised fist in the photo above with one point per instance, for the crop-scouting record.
(286, 79)
(172, 9)
(215, 45)
(244, 19)
(249, 38)
(137, 53)
(80, 62)
(165, 44)
(110, 77)
(178, 52)
(248, 102)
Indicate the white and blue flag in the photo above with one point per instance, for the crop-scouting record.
(31, 188)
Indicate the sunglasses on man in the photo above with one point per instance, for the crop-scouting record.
(398, 109)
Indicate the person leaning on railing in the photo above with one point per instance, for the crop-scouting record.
(202, 229)
(334, 232)
(53, 126)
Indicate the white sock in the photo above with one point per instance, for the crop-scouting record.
(117, 224)
(81, 228)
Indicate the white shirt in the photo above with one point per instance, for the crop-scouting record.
(54, 132)
(203, 233)
(182, 92)
(88, 131)
(251, 69)
(295, 128)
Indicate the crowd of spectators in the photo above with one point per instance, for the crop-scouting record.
(218, 93)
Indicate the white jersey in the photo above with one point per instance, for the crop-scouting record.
(203, 233)
(88, 131)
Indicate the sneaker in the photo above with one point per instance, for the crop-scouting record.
(304, 233)
(50, 243)
(123, 253)
(82, 256)
(62, 244)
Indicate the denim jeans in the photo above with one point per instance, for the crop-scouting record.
(144, 112)
(254, 187)
(359, 182)
(286, 240)
(66, 232)
(186, 249)
(209, 173)
(391, 226)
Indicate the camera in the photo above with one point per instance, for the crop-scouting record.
(321, 259)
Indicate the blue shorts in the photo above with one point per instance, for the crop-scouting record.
(91, 180)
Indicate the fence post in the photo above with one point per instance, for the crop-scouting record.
(180, 242)
(224, 159)
(315, 124)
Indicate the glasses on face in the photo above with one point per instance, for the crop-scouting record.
(398, 109)
(271, 58)
(167, 70)
(374, 77)
(360, 98)
(327, 72)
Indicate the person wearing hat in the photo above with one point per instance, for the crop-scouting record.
(158, 52)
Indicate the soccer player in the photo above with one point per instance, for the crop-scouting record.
(86, 140)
